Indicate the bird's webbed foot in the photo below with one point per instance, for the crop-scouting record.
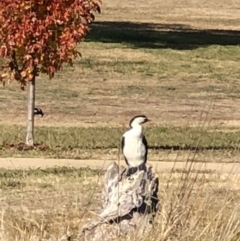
(132, 170)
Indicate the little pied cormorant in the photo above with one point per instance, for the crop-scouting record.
(134, 144)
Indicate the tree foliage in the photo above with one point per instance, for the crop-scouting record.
(40, 35)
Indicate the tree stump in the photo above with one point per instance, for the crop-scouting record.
(129, 204)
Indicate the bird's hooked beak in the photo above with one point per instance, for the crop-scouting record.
(147, 120)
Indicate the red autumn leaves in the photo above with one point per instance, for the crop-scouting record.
(40, 35)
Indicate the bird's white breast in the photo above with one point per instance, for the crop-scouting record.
(134, 149)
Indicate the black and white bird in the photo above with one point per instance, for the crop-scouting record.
(134, 144)
(38, 111)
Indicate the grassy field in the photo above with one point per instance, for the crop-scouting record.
(40, 204)
(210, 144)
(179, 69)
(173, 61)
(176, 62)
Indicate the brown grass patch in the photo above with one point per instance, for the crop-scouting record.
(195, 205)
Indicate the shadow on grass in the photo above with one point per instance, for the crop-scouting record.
(150, 35)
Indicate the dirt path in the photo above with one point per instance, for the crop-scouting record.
(33, 163)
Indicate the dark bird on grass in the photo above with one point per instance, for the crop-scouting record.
(38, 111)
(134, 144)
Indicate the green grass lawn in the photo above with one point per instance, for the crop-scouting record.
(104, 143)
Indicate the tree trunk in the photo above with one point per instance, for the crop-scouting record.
(129, 205)
(30, 114)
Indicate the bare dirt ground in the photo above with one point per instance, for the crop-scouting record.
(33, 163)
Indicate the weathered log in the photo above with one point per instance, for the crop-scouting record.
(129, 204)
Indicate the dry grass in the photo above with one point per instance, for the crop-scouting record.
(203, 14)
(37, 205)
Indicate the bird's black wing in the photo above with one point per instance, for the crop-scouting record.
(122, 143)
(146, 146)
(122, 147)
